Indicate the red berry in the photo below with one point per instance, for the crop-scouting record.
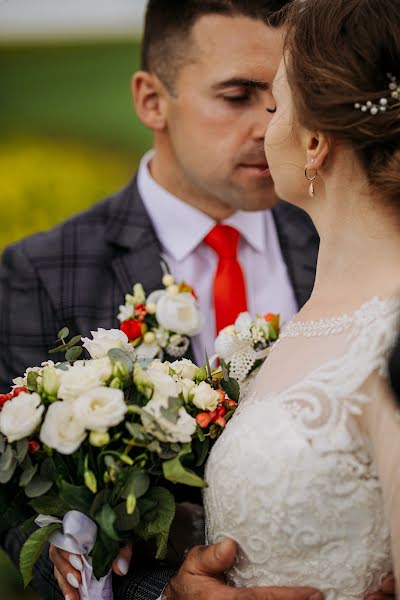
(222, 395)
(213, 415)
(4, 398)
(33, 446)
(221, 411)
(203, 419)
(18, 390)
(221, 422)
(232, 404)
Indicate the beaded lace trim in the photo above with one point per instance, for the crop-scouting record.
(364, 315)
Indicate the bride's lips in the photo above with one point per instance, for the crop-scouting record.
(257, 169)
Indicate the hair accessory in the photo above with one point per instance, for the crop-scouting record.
(385, 103)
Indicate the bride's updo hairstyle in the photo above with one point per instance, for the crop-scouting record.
(339, 54)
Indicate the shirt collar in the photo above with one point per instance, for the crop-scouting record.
(173, 218)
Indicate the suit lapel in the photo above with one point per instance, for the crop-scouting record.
(299, 244)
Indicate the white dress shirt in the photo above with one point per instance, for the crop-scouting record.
(181, 230)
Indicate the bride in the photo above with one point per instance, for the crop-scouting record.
(306, 478)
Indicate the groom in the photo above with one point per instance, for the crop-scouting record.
(203, 90)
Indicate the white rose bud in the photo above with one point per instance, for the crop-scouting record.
(51, 380)
(20, 416)
(205, 398)
(168, 280)
(149, 337)
(159, 366)
(61, 430)
(104, 340)
(186, 387)
(100, 408)
(184, 368)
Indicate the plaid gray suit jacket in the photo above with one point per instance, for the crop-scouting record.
(77, 274)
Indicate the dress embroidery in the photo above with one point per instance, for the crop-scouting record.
(292, 478)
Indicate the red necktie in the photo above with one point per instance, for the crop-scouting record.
(229, 284)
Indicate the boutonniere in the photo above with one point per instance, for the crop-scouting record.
(246, 344)
(163, 322)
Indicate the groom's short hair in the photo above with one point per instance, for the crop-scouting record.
(168, 24)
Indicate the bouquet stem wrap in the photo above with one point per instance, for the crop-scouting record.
(78, 536)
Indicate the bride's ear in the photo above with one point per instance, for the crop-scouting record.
(318, 148)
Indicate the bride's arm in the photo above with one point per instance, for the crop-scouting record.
(383, 416)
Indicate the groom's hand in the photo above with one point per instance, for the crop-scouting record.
(68, 567)
(387, 591)
(201, 577)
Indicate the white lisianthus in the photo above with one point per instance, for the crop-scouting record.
(100, 408)
(126, 311)
(157, 366)
(104, 340)
(61, 430)
(83, 376)
(164, 429)
(20, 416)
(179, 313)
(185, 387)
(185, 368)
(204, 397)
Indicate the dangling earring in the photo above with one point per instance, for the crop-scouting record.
(311, 190)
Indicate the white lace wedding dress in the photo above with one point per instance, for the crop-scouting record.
(294, 477)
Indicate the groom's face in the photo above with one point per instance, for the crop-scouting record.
(216, 115)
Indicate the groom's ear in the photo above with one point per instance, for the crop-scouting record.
(150, 100)
(318, 148)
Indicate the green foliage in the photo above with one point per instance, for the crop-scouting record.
(32, 549)
(157, 521)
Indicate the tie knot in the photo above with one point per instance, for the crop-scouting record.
(223, 239)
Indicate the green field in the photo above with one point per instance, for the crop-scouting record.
(69, 136)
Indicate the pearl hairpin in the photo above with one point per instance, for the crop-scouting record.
(384, 103)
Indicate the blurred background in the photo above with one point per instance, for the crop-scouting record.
(69, 134)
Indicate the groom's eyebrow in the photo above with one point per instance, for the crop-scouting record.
(242, 82)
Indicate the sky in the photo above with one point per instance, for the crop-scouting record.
(41, 19)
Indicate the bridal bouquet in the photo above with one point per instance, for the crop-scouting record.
(162, 323)
(245, 345)
(96, 447)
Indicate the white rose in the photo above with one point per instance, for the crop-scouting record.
(185, 368)
(164, 429)
(100, 408)
(104, 340)
(179, 313)
(158, 366)
(186, 387)
(83, 376)
(205, 398)
(164, 386)
(61, 430)
(20, 416)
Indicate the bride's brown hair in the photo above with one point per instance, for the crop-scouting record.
(338, 53)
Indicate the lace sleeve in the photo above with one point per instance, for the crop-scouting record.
(384, 430)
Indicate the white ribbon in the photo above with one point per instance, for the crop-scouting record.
(78, 536)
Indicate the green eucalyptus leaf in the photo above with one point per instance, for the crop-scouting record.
(22, 449)
(61, 348)
(7, 458)
(106, 519)
(63, 333)
(28, 474)
(6, 474)
(50, 504)
(73, 341)
(73, 353)
(137, 483)
(126, 522)
(137, 432)
(32, 549)
(37, 486)
(231, 387)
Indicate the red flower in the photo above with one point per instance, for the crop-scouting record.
(133, 329)
(221, 411)
(203, 419)
(4, 398)
(18, 390)
(274, 320)
(33, 446)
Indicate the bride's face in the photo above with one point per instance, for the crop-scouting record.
(285, 145)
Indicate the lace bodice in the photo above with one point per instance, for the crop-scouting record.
(293, 478)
